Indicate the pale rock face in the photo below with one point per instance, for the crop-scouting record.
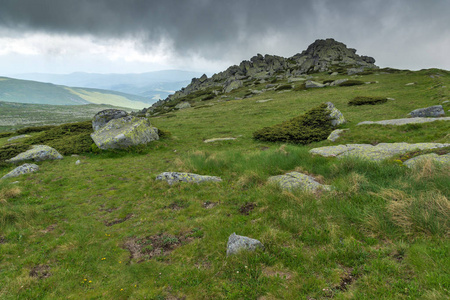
(37, 153)
(125, 132)
(183, 105)
(237, 243)
(172, 177)
(296, 180)
(438, 159)
(21, 170)
(101, 118)
(337, 118)
(309, 84)
(432, 111)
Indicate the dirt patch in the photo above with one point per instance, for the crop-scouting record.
(155, 245)
(118, 221)
(177, 205)
(40, 271)
(247, 208)
(49, 228)
(209, 204)
(2, 240)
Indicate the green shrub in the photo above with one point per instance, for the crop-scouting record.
(283, 87)
(362, 100)
(9, 151)
(299, 87)
(351, 83)
(209, 97)
(164, 133)
(311, 127)
(6, 134)
(35, 129)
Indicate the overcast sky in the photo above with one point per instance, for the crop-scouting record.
(122, 36)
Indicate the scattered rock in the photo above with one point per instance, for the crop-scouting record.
(183, 105)
(338, 82)
(37, 153)
(337, 118)
(263, 101)
(209, 204)
(374, 153)
(404, 121)
(391, 99)
(101, 118)
(432, 111)
(335, 134)
(296, 180)
(334, 74)
(23, 169)
(172, 177)
(411, 83)
(440, 159)
(22, 136)
(78, 162)
(313, 84)
(219, 139)
(237, 243)
(125, 132)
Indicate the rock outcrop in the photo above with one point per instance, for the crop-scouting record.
(432, 111)
(23, 169)
(172, 177)
(124, 132)
(101, 118)
(237, 243)
(37, 153)
(321, 56)
(405, 121)
(296, 180)
(438, 159)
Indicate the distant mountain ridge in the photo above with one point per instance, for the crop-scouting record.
(151, 85)
(33, 92)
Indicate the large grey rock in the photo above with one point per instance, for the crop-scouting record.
(183, 105)
(439, 159)
(432, 111)
(172, 177)
(237, 243)
(37, 153)
(313, 84)
(405, 121)
(374, 153)
(101, 118)
(296, 180)
(337, 118)
(22, 136)
(23, 169)
(125, 132)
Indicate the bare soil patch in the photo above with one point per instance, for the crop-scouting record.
(40, 271)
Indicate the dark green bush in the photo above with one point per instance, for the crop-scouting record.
(163, 133)
(9, 151)
(299, 87)
(351, 83)
(6, 134)
(313, 126)
(362, 100)
(35, 129)
(283, 87)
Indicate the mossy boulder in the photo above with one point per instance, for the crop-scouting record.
(101, 118)
(125, 132)
(36, 153)
(296, 180)
(315, 125)
(23, 169)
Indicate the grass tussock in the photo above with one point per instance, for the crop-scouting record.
(364, 100)
(9, 193)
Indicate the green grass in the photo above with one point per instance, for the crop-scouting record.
(107, 229)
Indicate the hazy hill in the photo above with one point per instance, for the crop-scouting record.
(26, 91)
(153, 85)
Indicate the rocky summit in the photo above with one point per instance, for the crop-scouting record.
(321, 56)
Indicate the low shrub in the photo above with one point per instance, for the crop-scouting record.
(351, 83)
(6, 134)
(209, 97)
(313, 126)
(299, 87)
(9, 151)
(283, 87)
(164, 133)
(362, 100)
(35, 129)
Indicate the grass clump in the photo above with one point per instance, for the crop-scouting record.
(363, 100)
(35, 129)
(313, 126)
(6, 134)
(351, 83)
(299, 87)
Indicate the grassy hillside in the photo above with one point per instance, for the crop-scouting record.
(33, 92)
(14, 116)
(107, 229)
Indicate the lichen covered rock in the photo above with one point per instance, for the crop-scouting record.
(439, 159)
(101, 118)
(124, 132)
(336, 117)
(172, 177)
(432, 111)
(335, 134)
(237, 243)
(296, 180)
(23, 169)
(37, 153)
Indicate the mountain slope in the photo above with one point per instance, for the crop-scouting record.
(25, 91)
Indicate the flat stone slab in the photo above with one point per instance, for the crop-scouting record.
(22, 136)
(374, 153)
(219, 140)
(404, 121)
(172, 177)
(237, 243)
(296, 180)
(440, 159)
(21, 170)
(37, 153)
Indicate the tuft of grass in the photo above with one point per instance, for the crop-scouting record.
(351, 82)
(364, 100)
(9, 193)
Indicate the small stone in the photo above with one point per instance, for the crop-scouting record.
(219, 140)
(172, 177)
(237, 243)
(411, 83)
(78, 162)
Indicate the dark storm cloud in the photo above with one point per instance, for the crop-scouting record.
(230, 28)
